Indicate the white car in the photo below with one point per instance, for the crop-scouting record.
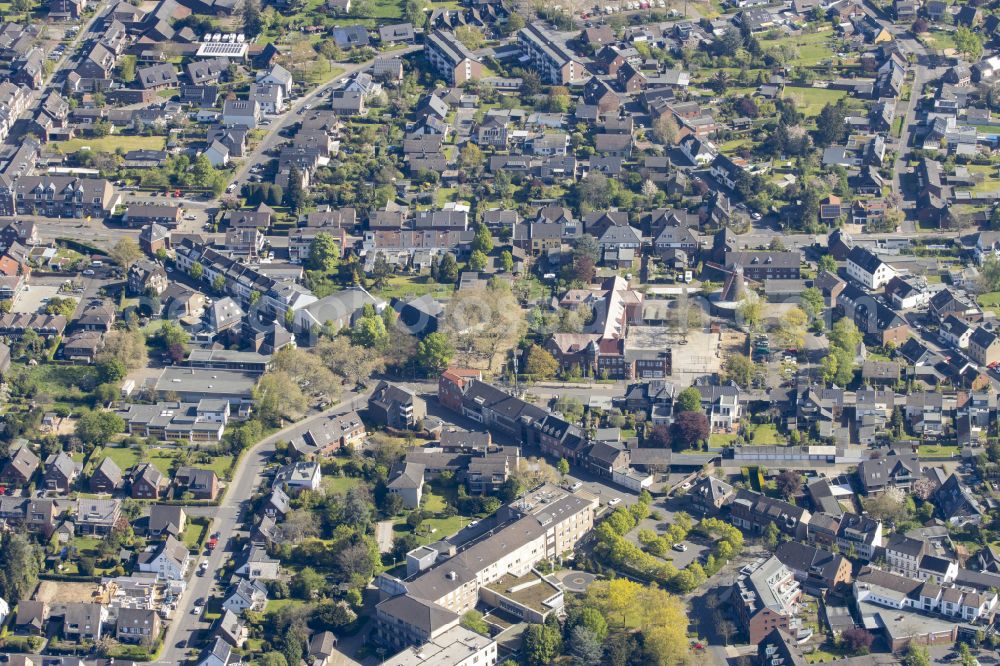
(680, 547)
(615, 501)
(576, 486)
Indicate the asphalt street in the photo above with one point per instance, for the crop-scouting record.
(227, 519)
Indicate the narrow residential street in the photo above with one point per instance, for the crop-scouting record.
(227, 519)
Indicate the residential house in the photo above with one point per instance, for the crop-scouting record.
(21, 467)
(406, 479)
(84, 621)
(97, 517)
(984, 347)
(765, 599)
(61, 472)
(203, 484)
(868, 269)
(168, 559)
(107, 478)
(396, 406)
(166, 520)
(138, 626)
(450, 58)
(148, 482)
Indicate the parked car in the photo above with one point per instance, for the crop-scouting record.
(615, 501)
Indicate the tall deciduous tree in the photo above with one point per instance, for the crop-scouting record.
(540, 364)
(434, 353)
(20, 563)
(125, 252)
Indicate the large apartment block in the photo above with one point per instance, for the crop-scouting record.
(554, 64)
(449, 57)
(58, 196)
(540, 526)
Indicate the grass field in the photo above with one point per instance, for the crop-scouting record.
(403, 286)
(195, 529)
(437, 527)
(61, 383)
(812, 48)
(939, 39)
(937, 451)
(339, 484)
(720, 439)
(991, 178)
(274, 605)
(810, 101)
(123, 457)
(990, 300)
(110, 144)
(766, 434)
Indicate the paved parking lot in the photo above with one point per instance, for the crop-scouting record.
(33, 298)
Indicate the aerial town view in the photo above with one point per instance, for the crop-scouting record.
(499, 332)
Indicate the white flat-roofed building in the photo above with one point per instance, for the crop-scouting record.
(457, 646)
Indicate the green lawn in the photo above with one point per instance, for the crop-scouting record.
(433, 503)
(939, 39)
(220, 464)
(86, 545)
(812, 48)
(339, 484)
(111, 144)
(991, 178)
(435, 529)
(194, 531)
(937, 451)
(162, 459)
(730, 147)
(406, 286)
(125, 458)
(990, 301)
(720, 439)
(810, 101)
(445, 194)
(274, 605)
(766, 434)
(897, 126)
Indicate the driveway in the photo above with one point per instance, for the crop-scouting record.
(384, 535)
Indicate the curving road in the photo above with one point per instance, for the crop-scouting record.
(273, 138)
(227, 519)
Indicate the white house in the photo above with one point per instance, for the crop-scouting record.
(278, 76)
(245, 595)
(936, 569)
(407, 480)
(866, 268)
(258, 564)
(987, 246)
(698, 151)
(241, 113)
(955, 332)
(299, 476)
(168, 560)
(270, 96)
(217, 154)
